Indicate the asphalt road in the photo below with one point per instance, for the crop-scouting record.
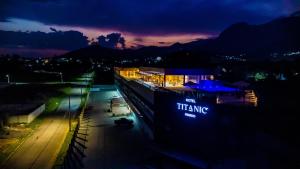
(109, 146)
(74, 104)
(40, 150)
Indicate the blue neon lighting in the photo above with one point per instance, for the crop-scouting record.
(211, 86)
(190, 115)
(192, 108)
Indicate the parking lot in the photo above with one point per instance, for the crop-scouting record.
(110, 146)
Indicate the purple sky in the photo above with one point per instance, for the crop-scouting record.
(140, 22)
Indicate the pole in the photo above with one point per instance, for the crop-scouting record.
(61, 77)
(69, 113)
(8, 80)
(81, 94)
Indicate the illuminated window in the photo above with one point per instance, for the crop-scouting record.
(155, 79)
(130, 73)
(190, 78)
(174, 80)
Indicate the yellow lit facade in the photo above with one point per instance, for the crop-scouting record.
(129, 73)
(157, 80)
(157, 77)
(174, 81)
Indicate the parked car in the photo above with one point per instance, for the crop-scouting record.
(123, 122)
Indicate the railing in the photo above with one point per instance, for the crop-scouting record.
(75, 153)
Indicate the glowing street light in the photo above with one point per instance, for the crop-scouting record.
(8, 80)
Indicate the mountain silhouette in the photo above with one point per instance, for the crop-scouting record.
(279, 35)
(276, 36)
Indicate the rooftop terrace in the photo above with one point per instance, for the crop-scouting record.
(185, 81)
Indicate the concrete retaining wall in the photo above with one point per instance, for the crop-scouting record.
(27, 118)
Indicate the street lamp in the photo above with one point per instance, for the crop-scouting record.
(70, 125)
(61, 77)
(8, 80)
(81, 94)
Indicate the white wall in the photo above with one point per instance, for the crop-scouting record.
(27, 118)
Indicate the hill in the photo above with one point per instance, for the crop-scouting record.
(256, 41)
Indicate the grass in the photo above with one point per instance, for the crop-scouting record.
(52, 104)
(66, 90)
(9, 149)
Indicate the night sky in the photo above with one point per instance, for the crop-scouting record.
(135, 23)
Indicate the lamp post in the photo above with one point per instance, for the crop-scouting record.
(81, 94)
(8, 80)
(69, 113)
(61, 77)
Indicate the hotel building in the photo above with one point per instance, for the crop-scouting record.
(185, 107)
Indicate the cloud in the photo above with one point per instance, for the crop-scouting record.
(155, 17)
(139, 39)
(113, 40)
(64, 40)
(53, 29)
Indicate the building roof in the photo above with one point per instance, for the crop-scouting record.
(181, 71)
(177, 71)
(212, 86)
(170, 71)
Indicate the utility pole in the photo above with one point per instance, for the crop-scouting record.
(61, 77)
(81, 94)
(69, 112)
(8, 80)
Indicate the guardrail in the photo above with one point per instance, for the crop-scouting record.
(75, 153)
